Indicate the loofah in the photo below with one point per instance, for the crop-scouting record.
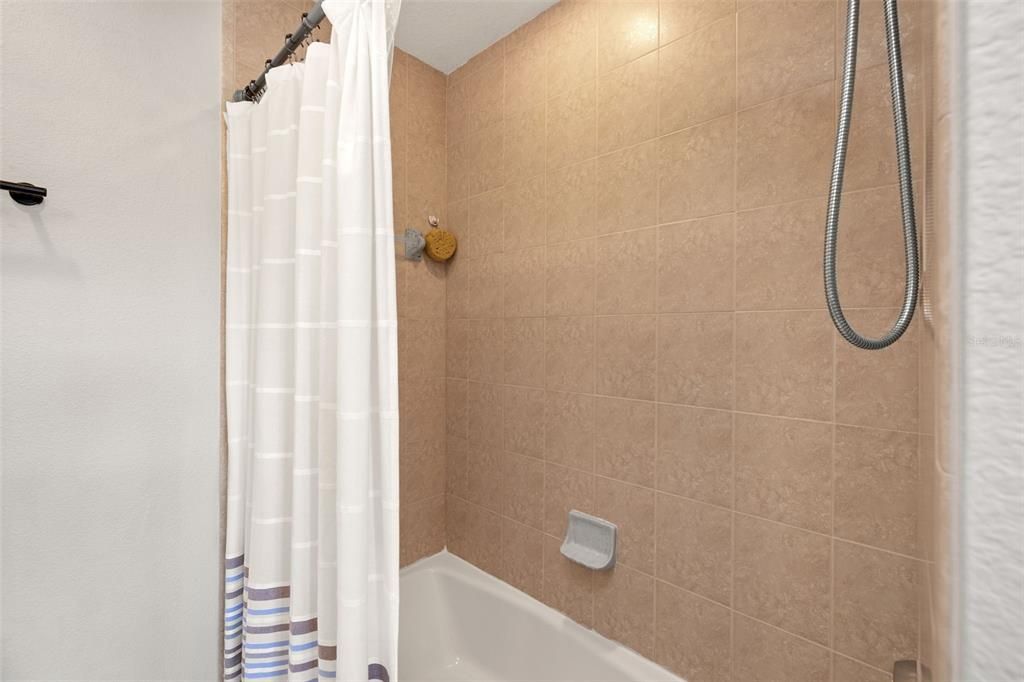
(441, 245)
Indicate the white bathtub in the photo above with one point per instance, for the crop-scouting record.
(461, 624)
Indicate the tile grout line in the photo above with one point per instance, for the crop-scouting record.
(593, 316)
(832, 478)
(657, 351)
(447, 459)
(544, 323)
(832, 510)
(677, 313)
(667, 223)
(692, 406)
(505, 513)
(735, 318)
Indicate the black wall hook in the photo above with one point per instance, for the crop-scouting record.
(24, 193)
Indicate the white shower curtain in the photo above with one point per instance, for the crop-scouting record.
(311, 565)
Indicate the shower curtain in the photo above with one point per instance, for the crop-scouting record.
(311, 564)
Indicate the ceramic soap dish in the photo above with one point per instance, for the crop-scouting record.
(590, 541)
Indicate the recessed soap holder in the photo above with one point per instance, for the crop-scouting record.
(590, 541)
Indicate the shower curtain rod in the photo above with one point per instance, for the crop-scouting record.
(292, 42)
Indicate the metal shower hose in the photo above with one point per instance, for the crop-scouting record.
(899, 115)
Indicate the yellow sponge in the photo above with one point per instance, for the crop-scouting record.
(441, 245)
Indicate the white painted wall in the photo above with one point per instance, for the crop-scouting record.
(991, 137)
(110, 340)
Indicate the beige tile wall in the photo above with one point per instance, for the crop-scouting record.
(254, 31)
(636, 328)
(418, 155)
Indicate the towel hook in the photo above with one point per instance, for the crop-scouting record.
(25, 193)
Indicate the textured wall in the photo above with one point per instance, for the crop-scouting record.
(636, 328)
(110, 555)
(254, 31)
(991, 137)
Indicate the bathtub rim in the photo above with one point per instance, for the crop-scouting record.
(445, 562)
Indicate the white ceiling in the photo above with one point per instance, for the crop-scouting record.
(446, 33)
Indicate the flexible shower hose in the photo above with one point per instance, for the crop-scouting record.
(899, 115)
